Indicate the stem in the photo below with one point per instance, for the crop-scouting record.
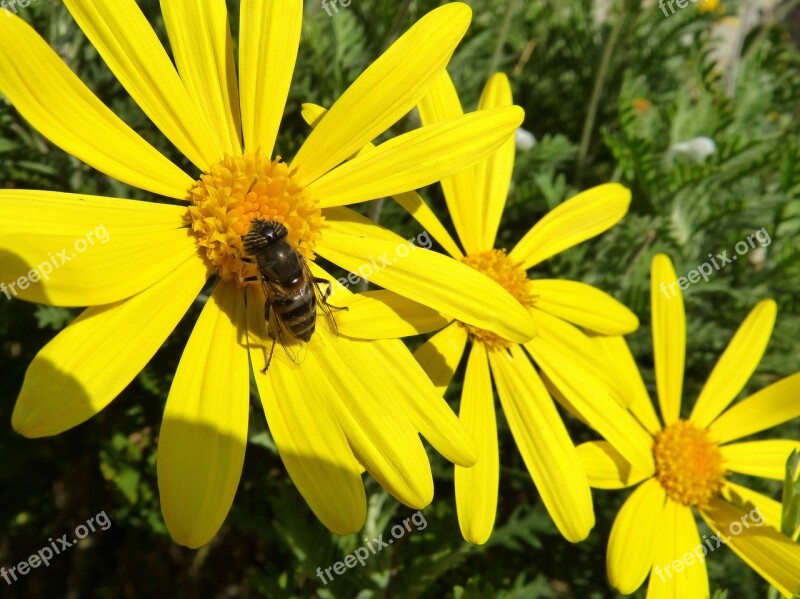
(597, 92)
(501, 41)
(398, 21)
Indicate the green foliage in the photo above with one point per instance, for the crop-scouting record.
(791, 497)
(660, 86)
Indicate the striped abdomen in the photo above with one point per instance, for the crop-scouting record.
(297, 308)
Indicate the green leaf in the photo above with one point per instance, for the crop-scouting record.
(791, 497)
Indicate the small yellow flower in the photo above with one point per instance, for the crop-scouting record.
(655, 531)
(642, 106)
(707, 6)
(325, 416)
(476, 198)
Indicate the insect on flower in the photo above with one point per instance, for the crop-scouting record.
(290, 288)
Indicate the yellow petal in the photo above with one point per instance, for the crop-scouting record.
(411, 201)
(760, 508)
(268, 42)
(620, 361)
(71, 250)
(630, 545)
(678, 543)
(669, 338)
(588, 396)
(772, 555)
(74, 119)
(417, 158)
(583, 350)
(769, 407)
(423, 403)
(121, 34)
(440, 355)
(606, 468)
(91, 361)
(429, 278)
(441, 103)
(766, 459)
(385, 315)
(204, 432)
(51, 212)
(737, 364)
(577, 219)
(544, 443)
(384, 93)
(349, 222)
(493, 176)
(397, 371)
(200, 38)
(306, 431)
(378, 429)
(584, 306)
(476, 487)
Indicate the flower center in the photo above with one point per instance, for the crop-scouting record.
(496, 265)
(237, 190)
(688, 464)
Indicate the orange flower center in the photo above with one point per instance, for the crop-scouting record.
(688, 464)
(237, 190)
(496, 265)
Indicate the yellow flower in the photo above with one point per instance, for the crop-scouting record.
(325, 415)
(476, 198)
(655, 531)
(706, 6)
(642, 106)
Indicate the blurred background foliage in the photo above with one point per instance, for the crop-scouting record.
(613, 90)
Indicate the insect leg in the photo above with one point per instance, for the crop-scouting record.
(268, 359)
(242, 281)
(327, 294)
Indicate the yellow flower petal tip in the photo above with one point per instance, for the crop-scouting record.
(615, 193)
(475, 535)
(458, 11)
(33, 418)
(239, 189)
(662, 263)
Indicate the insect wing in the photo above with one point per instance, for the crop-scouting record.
(294, 347)
(322, 302)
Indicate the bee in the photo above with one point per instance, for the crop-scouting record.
(292, 292)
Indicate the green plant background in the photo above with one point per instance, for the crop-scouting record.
(564, 65)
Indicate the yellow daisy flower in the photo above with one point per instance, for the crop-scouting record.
(154, 258)
(655, 531)
(476, 198)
